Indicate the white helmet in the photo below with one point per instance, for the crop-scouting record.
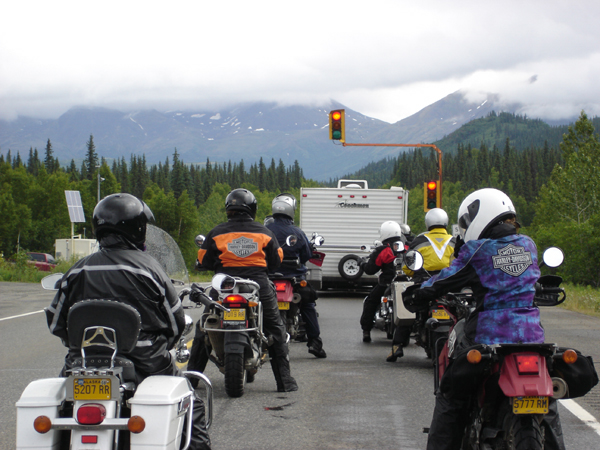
(284, 204)
(481, 209)
(389, 229)
(437, 218)
(405, 229)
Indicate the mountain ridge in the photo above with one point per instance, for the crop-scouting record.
(247, 131)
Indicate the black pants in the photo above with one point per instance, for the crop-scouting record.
(370, 306)
(308, 310)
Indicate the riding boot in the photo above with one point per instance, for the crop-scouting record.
(315, 347)
(281, 370)
(396, 353)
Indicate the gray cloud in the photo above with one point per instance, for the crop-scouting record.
(387, 59)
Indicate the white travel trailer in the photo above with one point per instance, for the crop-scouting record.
(348, 217)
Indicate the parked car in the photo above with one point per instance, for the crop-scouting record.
(42, 261)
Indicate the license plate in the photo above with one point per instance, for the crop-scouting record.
(92, 389)
(530, 405)
(235, 314)
(440, 314)
(283, 305)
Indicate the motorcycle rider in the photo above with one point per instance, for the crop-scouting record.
(505, 312)
(381, 259)
(122, 271)
(284, 207)
(408, 236)
(437, 248)
(217, 253)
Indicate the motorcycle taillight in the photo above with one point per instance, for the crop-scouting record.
(235, 300)
(528, 364)
(91, 414)
(280, 286)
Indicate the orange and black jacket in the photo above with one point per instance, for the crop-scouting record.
(241, 247)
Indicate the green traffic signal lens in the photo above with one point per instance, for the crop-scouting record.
(337, 135)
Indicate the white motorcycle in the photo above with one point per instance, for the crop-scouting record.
(99, 405)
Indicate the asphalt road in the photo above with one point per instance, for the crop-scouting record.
(353, 399)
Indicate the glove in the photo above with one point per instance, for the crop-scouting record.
(196, 293)
(458, 245)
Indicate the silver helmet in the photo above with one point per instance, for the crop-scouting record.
(284, 204)
(436, 218)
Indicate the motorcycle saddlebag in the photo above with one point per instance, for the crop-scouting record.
(411, 303)
(581, 376)
(462, 378)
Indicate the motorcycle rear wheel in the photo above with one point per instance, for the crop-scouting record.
(235, 374)
(522, 432)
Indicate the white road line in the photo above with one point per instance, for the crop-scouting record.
(22, 315)
(581, 414)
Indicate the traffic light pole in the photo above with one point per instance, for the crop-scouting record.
(433, 146)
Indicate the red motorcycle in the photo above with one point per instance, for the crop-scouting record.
(288, 299)
(509, 387)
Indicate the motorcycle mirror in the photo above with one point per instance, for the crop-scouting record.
(189, 324)
(413, 260)
(553, 257)
(398, 247)
(291, 240)
(52, 282)
(199, 240)
(318, 240)
(222, 282)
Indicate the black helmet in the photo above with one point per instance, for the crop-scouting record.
(122, 214)
(241, 200)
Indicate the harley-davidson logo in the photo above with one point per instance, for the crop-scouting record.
(512, 260)
(242, 247)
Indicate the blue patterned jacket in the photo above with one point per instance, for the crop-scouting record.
(502, 273)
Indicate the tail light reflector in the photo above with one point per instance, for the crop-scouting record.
(528, 364)
(91, 414)
(280, 286)
(235, 300)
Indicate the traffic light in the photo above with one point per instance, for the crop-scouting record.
(337, 125)
(431, 195)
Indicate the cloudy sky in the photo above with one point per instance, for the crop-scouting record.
(385, 59)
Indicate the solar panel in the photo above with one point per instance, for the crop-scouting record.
(75, 207)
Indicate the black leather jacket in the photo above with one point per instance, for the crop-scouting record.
(121, 272)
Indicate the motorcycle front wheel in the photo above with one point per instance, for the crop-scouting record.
(235, 374)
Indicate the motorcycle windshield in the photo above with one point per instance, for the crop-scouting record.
(162, 247)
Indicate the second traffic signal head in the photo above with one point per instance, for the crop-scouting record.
(432, 195)
(337, 125)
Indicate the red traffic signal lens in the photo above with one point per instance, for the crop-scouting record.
(431, 186)
(336, 115)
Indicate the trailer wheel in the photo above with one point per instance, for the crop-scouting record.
(349, 267)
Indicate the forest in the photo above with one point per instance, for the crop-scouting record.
(555, 190)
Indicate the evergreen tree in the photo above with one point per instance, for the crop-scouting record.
(48, 158)
(91, 160)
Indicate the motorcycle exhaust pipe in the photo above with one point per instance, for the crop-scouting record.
(559, 388)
